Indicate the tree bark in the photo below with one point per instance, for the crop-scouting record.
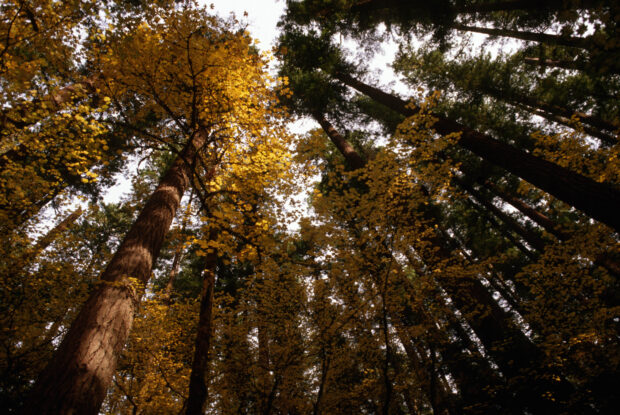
(345, 148)
(600, 201)
(198, 380)
(575, 42)
(531, 5)
(77, 378)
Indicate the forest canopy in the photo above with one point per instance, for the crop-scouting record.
(446, 244)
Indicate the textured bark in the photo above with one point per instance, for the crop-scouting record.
(345, 148)
(600, 201)
(77, 378)
(575, 42)
(198, 380)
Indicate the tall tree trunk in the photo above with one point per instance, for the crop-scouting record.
(370, 6)
(605, 138)
(540, 219)
(178, 254)
(529, 5)
(534, 240)
(605, 260)
(556, 113)
(575, 42)
(550, 63)
(600, 201)
(77, 378)
(441, 402)
(198, 380)
(345, 148)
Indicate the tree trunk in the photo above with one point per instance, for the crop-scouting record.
(263, 377)
(369, 6)
(550, 63)
(530, 237)
(77, 378)
(441, 402)
(198, 380)
(178, 254)
(346, 149)
(556, 113)
(538, 218)
(529, 5)
(600, 201)
(575, 42)
(606, 261)
(607, 139)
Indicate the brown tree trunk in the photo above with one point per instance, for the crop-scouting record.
(606, 138)
(557, 113)
(345, 148)
(440, 401)
(606, 261)
(264, 381)
(529, 5)
(373, 6)
(550, 63)
(178, 254)
(575, 42)
(598, 200)
(77, 378)
(198, 380)
(540, 219)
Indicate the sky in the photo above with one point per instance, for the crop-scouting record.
(263, 15)
(261, 19)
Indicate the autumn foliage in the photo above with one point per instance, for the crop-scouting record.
(447, 248)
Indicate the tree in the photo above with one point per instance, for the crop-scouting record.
(216, 60)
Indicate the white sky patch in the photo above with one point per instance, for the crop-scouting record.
(262, 17)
